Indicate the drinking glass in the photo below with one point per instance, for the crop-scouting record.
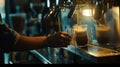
(81, 35)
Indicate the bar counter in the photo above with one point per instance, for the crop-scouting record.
(96, 54)
(90, 54)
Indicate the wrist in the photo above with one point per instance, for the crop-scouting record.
(46, 42)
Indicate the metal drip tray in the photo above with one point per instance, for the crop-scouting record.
(96, 54)
(99, 51)
(112, 46)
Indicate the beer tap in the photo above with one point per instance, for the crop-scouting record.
(50, 23)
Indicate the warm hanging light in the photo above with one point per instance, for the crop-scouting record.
(87, 12)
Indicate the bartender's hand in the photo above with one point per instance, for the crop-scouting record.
(60, 39)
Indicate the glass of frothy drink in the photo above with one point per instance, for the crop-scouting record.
(80, 33)
(103, 34)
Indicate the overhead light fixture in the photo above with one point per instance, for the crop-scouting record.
(87, 12)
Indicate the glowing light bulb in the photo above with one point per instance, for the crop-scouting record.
(87, 12)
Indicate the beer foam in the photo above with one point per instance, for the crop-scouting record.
(103, 28)
(80, 30)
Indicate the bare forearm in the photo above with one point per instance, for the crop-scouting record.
(28, 43)
(59, 39)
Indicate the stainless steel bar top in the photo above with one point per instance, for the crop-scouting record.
(91, 53)
(96, 54)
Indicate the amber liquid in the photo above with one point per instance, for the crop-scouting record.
(81, 37)
(103, 35)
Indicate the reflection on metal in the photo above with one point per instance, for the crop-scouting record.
(48, 3)
(57, 2)
(95, 54)
(116, 15)
(40, 57)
